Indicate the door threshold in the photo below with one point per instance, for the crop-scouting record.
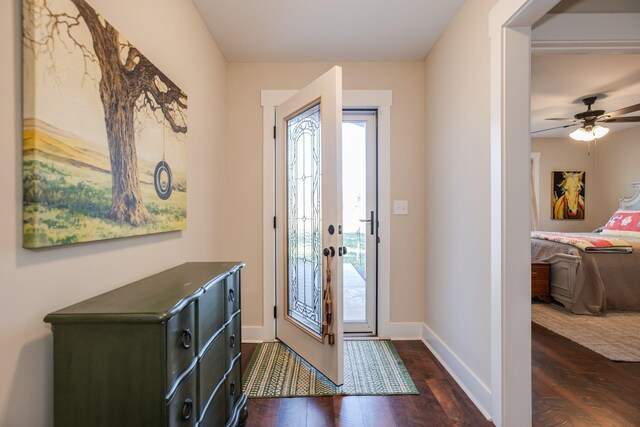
(356, 336)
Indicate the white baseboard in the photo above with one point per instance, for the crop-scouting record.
(253, 334)
(401, 331)
(398, 331)
(477, 390)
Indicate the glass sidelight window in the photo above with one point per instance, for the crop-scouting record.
(359, 195)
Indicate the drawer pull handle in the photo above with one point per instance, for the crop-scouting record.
(232, 295)
(232, 341)
(232, 388)
(187, 409)
(186, 339)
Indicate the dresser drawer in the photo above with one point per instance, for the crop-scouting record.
(540, 274)
(211, 312)
(211, 370)
(232, 338)
(232, 296)
(215, 413)
(180, 343)
(233, 388)
(539, 288)
(181, 409)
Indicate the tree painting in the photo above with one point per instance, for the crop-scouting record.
(72, 54)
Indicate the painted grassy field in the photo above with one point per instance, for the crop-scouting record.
(67, 192)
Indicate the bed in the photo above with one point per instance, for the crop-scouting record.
(591, 283)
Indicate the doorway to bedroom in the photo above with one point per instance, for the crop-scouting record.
(583, 185)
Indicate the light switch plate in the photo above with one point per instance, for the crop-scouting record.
(401, 207)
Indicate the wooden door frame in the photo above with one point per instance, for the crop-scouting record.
(380, 100)
(510, 23)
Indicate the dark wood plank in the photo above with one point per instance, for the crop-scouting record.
(404, 411)
(429, 407)
(574, 386)
(347, 411)
(452, 406)
(263, 412)
(376, 412)
(423, 368)
(552, 409)
(293, 412)
(320, 412)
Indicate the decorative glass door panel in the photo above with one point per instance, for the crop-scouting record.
(304, 219)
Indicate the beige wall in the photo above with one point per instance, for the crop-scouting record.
(610, 169)
(618, 165)
(457, 177)
(34, 283)
(244, 135)
(565, 154)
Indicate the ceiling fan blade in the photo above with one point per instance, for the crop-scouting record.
(621, 119)
(563, 119)
(557, 127)
(623, 111)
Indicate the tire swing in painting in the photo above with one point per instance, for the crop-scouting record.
(162, 177)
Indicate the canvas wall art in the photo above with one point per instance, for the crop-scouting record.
(104, 132)
(567, 195)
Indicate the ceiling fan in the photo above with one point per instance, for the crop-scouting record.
(588, 121)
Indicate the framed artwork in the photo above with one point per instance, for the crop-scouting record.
(104, 132)
(567, 195)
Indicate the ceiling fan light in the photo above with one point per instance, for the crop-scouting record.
(599, 131)
(581, 134)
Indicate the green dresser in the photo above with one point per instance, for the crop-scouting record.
(162, 351)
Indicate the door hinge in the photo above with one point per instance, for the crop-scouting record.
(274, 312)
(274, 222)
(274, 132)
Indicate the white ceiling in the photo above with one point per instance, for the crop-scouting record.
(559, 82)
(597, 6)
(326, 30)
(383, 30)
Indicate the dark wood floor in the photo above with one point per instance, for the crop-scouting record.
(441, 401)
(572, 386)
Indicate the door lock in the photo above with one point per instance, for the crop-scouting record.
(330, 251)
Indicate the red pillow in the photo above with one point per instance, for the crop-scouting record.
(623, 223)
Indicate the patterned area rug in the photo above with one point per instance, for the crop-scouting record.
(615, 336)
(370, 368)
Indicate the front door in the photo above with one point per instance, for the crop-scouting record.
(309, 224)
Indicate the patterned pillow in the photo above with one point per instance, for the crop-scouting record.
(623, 223)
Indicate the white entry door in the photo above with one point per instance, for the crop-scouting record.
(309, 223)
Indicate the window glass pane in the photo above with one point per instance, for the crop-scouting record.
(354, 195)
(304, 221)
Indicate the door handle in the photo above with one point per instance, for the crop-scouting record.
(371, 221)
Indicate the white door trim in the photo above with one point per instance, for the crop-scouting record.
(510, 24)
(382, 101)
